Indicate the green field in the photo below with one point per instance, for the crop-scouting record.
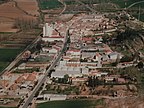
(71, 104)
(49, 4)
(124, 3)
(7, 56)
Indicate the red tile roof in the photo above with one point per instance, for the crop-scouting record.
(20, 79)
(31, 77)
(54, 37)
(4, 83)
(73, 50)
(87, 38)
(54, 32)
(13, 87)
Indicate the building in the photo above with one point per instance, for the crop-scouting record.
(51, 39)
(71, 71)
(50, 34)
(52, 97)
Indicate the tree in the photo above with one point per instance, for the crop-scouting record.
(24, 24)
(140, 65)
(38, 46)
(126, 59)
(66, 77)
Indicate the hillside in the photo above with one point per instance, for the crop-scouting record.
(132, 39)
(129, 102)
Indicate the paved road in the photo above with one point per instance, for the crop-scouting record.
(65, 6)
(31, 95)
(134, 4)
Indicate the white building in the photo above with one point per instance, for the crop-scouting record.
(52, 97)
(53, 51)
(71, 71)
(47, 30)
(50, 34)
(51, 39)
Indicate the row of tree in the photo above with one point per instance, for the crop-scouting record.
(25, 24)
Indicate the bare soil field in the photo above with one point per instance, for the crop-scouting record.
(18, 9)
(29, 6)
(7, 27)
(128, 102)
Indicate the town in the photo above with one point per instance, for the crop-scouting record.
(76, 59)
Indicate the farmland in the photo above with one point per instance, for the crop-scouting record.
(6, 56)
(17, 9)
(14, 44)
(29, 7)
(71, 104)
(49, 4)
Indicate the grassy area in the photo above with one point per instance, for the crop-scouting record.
(49, 4)
(3, 65)
(8, 107)
(71, 104)
(136, 12)
(6, 32)
(6, 56)
(124, 3)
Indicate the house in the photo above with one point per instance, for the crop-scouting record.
(85, 71)
(27, 84)
(22, 66)
(58, 74)
(4, 83)
(52, 97)
(114, 56)
(53, 51)
(45, 49)
(89, 64)
(73, 52)
(71, 71)
(121, 80)
(20, 79)
(87, 39)
(109, 79)
(30, 65)
(88, 54)
(66, 58)
(97, 57)
(13, 87)
(32, 77)
(26, 54)
(51, 39)
(74, 80)
(57, 97)
(99, 38)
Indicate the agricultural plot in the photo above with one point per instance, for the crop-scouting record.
(29, 7)
(49, 4)
(71, 104)
(17, 9)
(7, 56)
